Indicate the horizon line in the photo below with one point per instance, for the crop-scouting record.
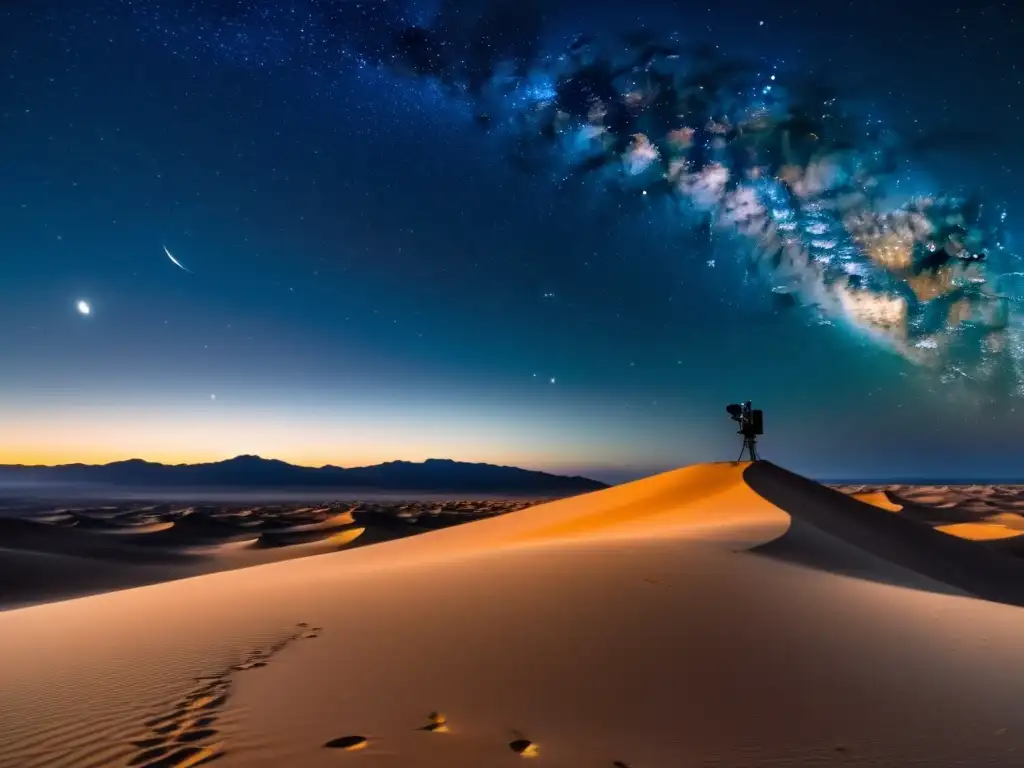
(644, 472)
(282, 461)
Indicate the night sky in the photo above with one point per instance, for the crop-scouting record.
(364, 276)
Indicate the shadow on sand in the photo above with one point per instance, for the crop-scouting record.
(833, 532)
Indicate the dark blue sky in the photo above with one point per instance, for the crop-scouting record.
(369, 278)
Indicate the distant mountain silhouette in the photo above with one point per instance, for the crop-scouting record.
(255, 472)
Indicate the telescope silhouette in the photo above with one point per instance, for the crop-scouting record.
(751, 421)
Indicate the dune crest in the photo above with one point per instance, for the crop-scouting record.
(878, 499)
(710, 502)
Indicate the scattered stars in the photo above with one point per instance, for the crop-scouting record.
(623, 301)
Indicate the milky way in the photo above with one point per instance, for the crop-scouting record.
(776, 163)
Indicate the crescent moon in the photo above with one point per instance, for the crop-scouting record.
(176, 262)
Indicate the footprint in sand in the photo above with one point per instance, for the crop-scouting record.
(172, 745)
(187, 757)
(168, 728)
(196, 734)
(147, 756)
(250, 665)
(148, 743)
(348, 743)
(524, 747)
(308, 633)
(181, 737)
(175, 756)
(208, 701)
(438, 723)
(163, 719)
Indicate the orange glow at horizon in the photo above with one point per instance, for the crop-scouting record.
(104, 436)
(29, 452)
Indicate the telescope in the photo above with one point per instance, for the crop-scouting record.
(751, 421)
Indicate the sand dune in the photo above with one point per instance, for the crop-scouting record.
(31, 536)
(974, 512)
(290, 537)
(709, 502)
(1012, 520)
(716, 615)
(56, 518)
(986, 531)
(137, 528)
(29, 576)
(44, 561)
(51, 556)
(879, 499)
(306, 532)
(895, 539)
(334, 521)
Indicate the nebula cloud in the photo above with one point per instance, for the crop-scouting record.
(776, 162)
(786, 170)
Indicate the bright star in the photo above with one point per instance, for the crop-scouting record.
(83, 307)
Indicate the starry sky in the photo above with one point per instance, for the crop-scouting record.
(363, 275)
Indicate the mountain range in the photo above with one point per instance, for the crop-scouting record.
(256, 472)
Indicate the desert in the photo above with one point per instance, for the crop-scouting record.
(719, 614)
(50, 551)
(992, 513)
(488, 383)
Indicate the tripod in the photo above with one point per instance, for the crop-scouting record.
(749, 445)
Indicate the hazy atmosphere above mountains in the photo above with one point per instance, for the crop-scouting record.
(254, 472)
(350, 233)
